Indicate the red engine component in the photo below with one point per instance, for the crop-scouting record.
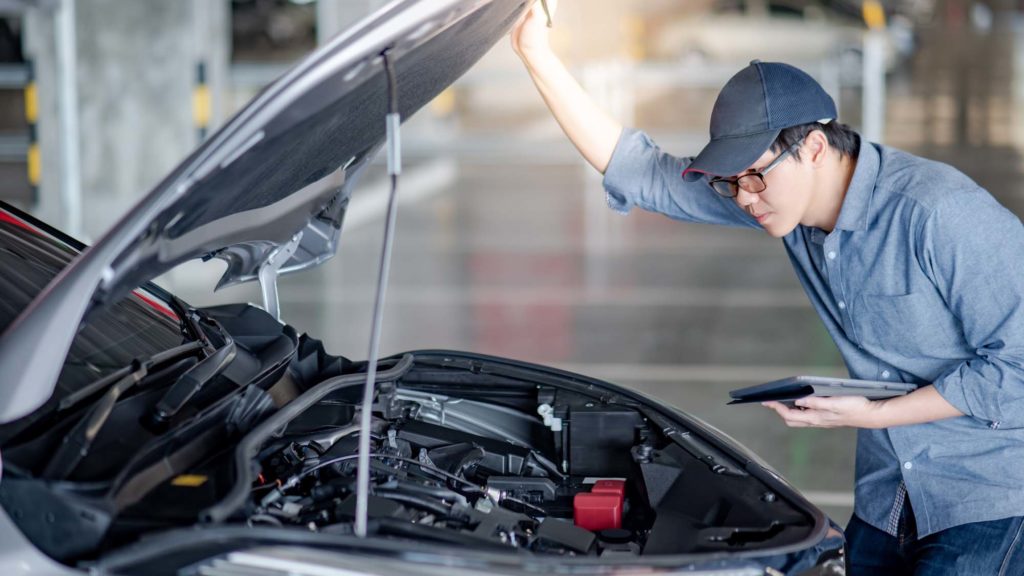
(601, 508)
(597, 511)
(617, 487)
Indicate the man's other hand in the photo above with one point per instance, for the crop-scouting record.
(922, 405)
(834, 412)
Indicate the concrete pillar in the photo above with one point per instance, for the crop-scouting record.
(212, 26)
(136, 73)
(40, 47)
(135, 78)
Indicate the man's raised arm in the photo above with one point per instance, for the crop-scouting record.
(591, 130)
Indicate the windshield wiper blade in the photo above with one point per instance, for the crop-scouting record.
(76, 397)
(190, 324)
(79, 441)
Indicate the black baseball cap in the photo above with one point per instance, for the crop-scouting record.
(752, 108)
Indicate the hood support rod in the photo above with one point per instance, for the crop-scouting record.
(394, 152)
(269, 271)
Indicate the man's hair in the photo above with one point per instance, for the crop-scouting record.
(840, 137)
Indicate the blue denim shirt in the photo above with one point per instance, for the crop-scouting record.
(921, 281)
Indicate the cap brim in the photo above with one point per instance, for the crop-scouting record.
(730, 156)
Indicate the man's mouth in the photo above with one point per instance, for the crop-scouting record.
(761, 217)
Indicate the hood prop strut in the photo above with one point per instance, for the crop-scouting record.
(394, 151)
(270, 270)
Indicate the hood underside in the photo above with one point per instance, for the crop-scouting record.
(278, 175)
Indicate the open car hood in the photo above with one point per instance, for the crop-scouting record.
(270, 186)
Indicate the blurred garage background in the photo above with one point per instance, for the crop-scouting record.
(504, 243)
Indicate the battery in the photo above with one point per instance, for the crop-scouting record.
(600, 439)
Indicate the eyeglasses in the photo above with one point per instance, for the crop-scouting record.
(752, 182)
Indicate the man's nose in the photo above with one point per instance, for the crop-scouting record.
(744, 198)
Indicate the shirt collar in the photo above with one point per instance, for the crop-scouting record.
(857, 203)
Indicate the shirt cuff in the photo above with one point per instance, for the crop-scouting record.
(626, 169)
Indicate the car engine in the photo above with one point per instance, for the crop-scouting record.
(535, 467)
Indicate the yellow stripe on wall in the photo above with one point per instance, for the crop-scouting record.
(874, 14)
(31, 103)
(201, 106)
(34, 164)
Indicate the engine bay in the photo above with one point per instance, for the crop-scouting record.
(535, 467)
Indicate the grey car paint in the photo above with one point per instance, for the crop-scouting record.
(283, 168)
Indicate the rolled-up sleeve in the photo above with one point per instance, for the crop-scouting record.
(640, 174)
(972, 248)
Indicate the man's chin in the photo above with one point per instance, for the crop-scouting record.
(776, 231)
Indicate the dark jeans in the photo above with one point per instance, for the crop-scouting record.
(993, 548)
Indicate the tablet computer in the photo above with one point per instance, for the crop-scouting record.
(790, 389)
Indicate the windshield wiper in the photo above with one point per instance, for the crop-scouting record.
(76, 397)
(79, 440)
(77, 443)
(192, 381)
(191, 328)
(190, 319)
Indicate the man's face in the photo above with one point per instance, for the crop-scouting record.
(784, 201)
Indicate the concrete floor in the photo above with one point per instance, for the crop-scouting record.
(504, 247)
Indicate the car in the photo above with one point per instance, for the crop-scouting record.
(142, 435)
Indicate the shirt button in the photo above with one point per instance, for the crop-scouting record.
(908, 465)
(842, 305)
(832, 255)
(885, 373)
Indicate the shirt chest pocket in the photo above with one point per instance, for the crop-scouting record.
(912, 325)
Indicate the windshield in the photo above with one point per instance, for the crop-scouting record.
(133, 328)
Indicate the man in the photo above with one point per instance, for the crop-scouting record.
(917, 273)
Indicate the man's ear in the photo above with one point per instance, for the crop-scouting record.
(817, 147)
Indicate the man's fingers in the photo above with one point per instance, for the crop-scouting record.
(815, 403)
(543, 9)
(552, 7)
(834, 404)
(825, 412)
(533, 11)
(801, 417)
(792, 416)
(776, 406)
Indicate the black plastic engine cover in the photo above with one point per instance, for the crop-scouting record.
(501, 458)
